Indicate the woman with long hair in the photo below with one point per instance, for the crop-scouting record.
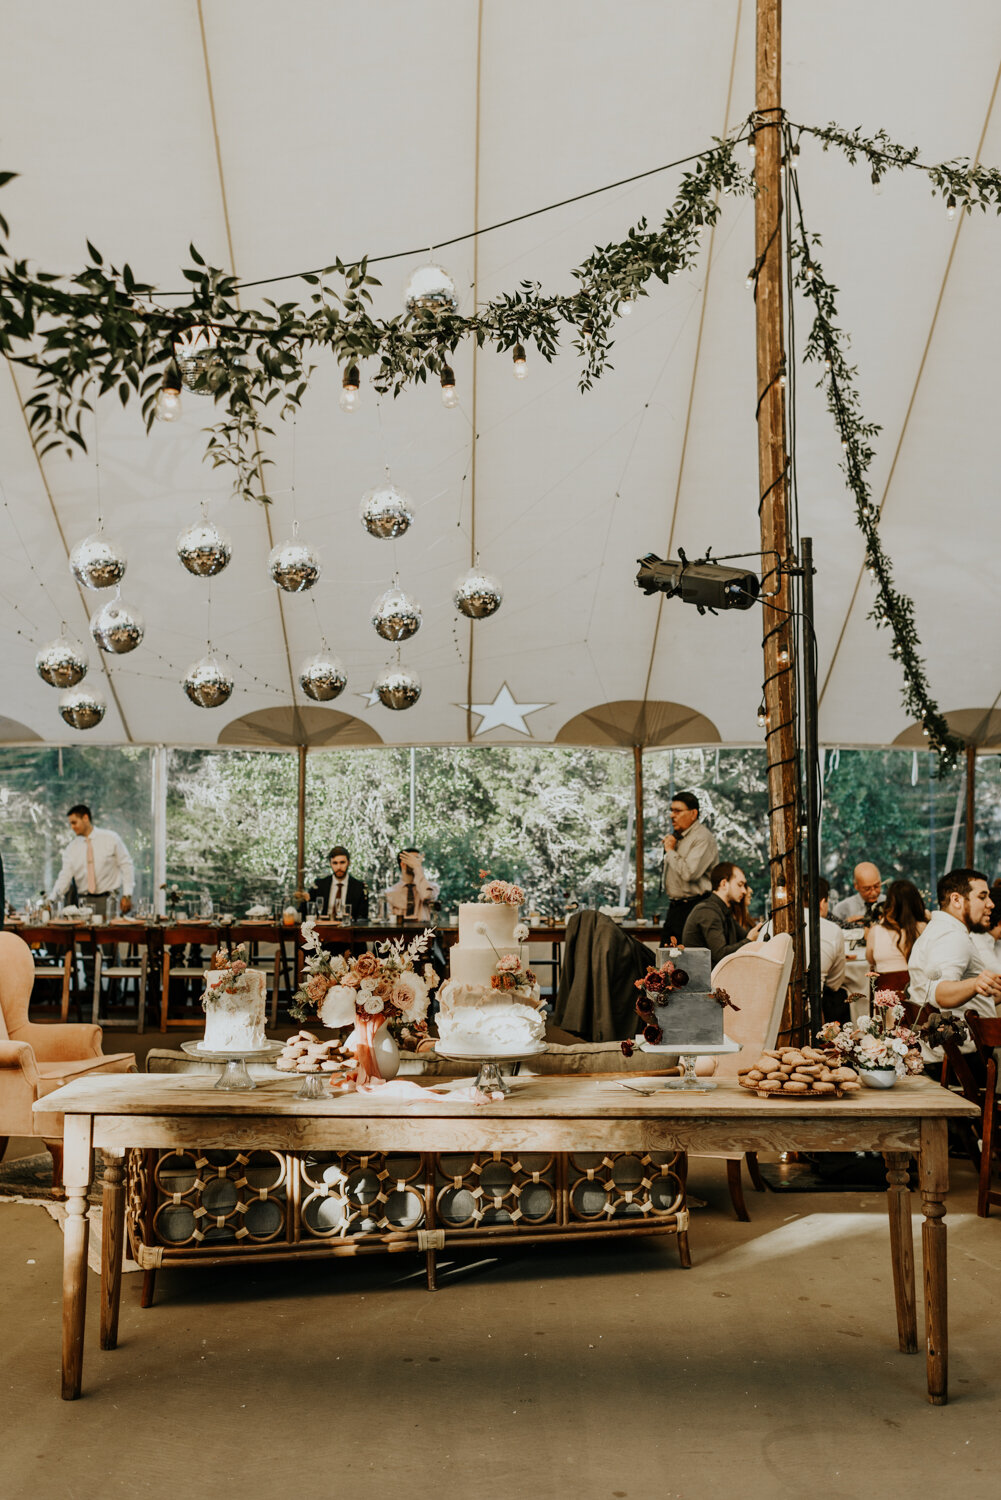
(890, 940)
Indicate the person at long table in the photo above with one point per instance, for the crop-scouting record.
(413, 894)
(98, 863)
(340, 893)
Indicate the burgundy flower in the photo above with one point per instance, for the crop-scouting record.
(627, 1049)
(653, 1034)
(680, 979)
(644, 1006)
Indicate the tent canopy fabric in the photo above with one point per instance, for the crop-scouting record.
(277, 138)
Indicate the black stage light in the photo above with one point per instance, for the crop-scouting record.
(707, 585)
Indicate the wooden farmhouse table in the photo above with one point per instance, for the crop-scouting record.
(118, 1111)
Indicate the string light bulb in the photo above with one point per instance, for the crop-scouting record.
(520, 362)
(749, 280)
(877, 183)
(950, 207)
(783, 656)
(449, 395)
(762, 715)
(752, 147)
(168, 397)
(349, 397)
(626, 305)
(781, 894)
(586, 332)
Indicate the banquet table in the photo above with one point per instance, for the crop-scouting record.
(116, 1112)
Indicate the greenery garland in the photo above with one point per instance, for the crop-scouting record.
(102, 330)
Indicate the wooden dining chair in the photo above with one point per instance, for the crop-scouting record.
(987, 1036)
(53, 950)
(132, 967)
(180, 935)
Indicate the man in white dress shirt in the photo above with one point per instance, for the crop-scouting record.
(412, 895)
(99, 863)
(946, 966)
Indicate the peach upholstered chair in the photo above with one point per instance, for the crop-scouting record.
(35, 1058)
(756, 977)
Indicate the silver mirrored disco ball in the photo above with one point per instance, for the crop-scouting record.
(61, 663)
(398, 687)
(396, 616)
(97, 563)
(322, 677)
(386, 511)
(82, 708)
(204, 549)
(294, 566)
(430, 288)
(477, 595)
(207, 684)
(117, 627)
(197, 362)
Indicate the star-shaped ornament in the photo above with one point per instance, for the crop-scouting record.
(503, 713)
(371, 697)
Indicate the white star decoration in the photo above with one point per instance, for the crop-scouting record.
(503, 713)
(371, 697)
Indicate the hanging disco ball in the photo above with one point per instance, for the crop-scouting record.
(117, 627)
(396, 616)
(430, 289)
(477, 595)
(294, 566)
(97, 563)
(386, 512)
(398, 687)
(204, 549)
(82, 708)
(322, 677)
(61, 663)
(207, 684)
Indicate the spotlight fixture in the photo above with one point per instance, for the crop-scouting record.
(706, 584)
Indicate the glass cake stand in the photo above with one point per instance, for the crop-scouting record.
(234, 1075)
(687, 1054)
(490, 1079)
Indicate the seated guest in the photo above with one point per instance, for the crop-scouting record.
(413, 893)
(947, 968)
(861, 909)
(891, 938)
(712, 924)
(340, 887)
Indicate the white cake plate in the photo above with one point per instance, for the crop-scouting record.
(490, 1079)
(234, 1075)
(687, 1054)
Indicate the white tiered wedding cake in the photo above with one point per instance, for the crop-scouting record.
(234, 1003)
(490, 1004)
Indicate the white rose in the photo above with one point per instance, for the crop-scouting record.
(372, 1005)
(338, 1008)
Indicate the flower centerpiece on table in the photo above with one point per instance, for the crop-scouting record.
(366, 991)
(655, 989)
(877, 1042)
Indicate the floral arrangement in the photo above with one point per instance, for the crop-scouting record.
(387, 987)
(512, 974)
(655, 989)
(232, 969)
(500, 891)
(944, 1026)
(876, 1041)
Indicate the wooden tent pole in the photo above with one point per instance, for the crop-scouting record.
(971, 803)
(773, 463)
(300, 826)
(638, 780)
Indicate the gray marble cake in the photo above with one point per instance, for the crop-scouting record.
(691, 1015)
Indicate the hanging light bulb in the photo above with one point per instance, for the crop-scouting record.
(781, 894)
(449, 395)
(783, 656)
(762, 715)
(950, 207)
(752, 147)
(749, 281)
(877, 183)
(627, 304)
(520, 362)
(168, 397)
(350, 397)
(586, 332)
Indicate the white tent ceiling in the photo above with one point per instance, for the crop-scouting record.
(276, 138)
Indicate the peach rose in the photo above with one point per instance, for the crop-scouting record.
(366, 966)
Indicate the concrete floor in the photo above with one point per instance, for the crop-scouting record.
(604, 1373)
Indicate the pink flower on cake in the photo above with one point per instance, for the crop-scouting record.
(515, 895)
(521, 933)
(237, 966)
(509, 964)
(496, 890)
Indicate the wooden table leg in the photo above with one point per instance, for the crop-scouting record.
(77, 1168)
(112, 1244)
(898, 1202)
(933, 1170)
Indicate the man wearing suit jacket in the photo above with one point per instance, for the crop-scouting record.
(339, 885)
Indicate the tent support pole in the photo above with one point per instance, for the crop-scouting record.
(971, 801)
(638, 780)
(300, 826)
(773, 468)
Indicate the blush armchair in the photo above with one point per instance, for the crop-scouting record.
(36, 1058)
